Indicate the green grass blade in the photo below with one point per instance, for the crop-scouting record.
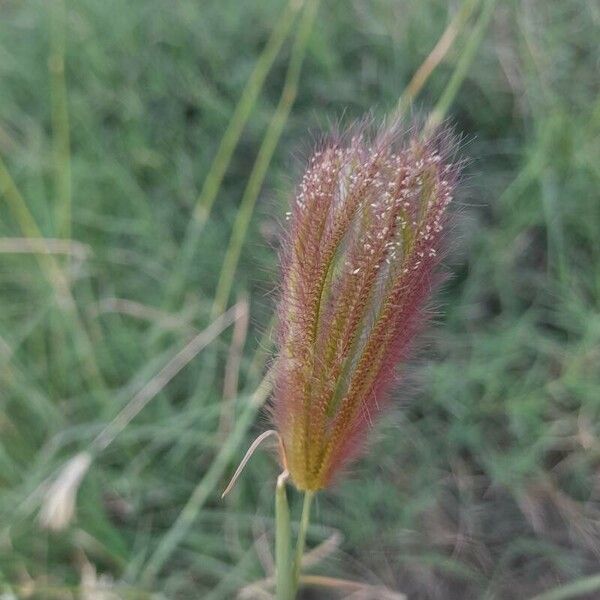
(462, 67)
(435, 57)
(207, 484)
(60, 120)
(586, 585)
(216, 172)
(263, 160)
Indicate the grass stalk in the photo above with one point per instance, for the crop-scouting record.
(53, 273)
(435, 57)
(263, 160)
(222, 159)
(287, 568)
(301, 541)
(157, 383)
(207, 484)
(575, 589)
(462, 68)
(60, 120)
(284, 572)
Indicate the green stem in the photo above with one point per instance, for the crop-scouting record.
(585, 585)
(287, 570)
(60, 119)
(227, 146)
(54, 273)
(462, 67)
(283, 543)
(263, 159)
(304, 520)
(435, 57)
(205, 487)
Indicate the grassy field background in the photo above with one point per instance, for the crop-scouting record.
(483, 484)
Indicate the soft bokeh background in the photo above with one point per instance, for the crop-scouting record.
(484, 484)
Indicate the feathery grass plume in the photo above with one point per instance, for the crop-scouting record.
(358, 264)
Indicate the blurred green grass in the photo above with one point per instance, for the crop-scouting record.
(485, 483)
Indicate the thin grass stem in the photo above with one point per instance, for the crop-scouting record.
(60, 120)
(462, 67)
(222, 159)
(157, 383)
(263, 160)
(575, 589)
(284, 575)
(54, 275)
(207, 484)
(435, 57)
(301, 541)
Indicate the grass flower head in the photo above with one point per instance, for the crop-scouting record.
(358, 263)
